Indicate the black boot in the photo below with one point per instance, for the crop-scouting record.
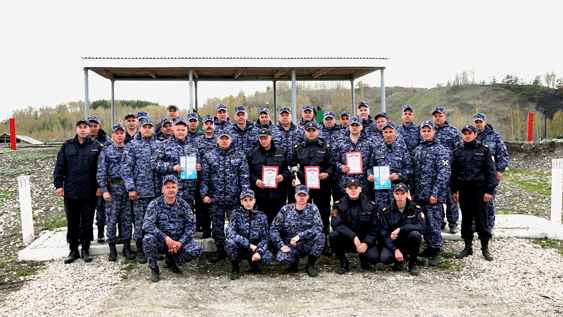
(112, 253)
(254, 269)
(141, 258)
(294, 267)
(364, 264)
(127, 253)
(206, 234)
(435, 259)
(398, 266)
(155, 275)
(427, 253)
(485, 249)
(86, 252)
(219, 255)
(310, 269)
(344, 264)
(171, 264)
(326, 250)
(468, 250)
(101, 234)
(72, 256)
(235, 271)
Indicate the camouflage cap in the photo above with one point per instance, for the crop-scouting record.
(301, 189)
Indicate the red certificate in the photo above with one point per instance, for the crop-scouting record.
(269, 174)
(312, 179)
(354, 162)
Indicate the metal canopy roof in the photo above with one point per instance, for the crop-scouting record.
(233, 68)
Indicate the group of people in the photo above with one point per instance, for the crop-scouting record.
(274, 183)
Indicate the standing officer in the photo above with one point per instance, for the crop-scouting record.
(245, 138)
(131, 123)
(166, 129)
(402, 226)
(169, 225)
(297, 231)
(204, 144)
(397, 158)
(450, 138)
(306, 116)
(101, 136)
(431, 178)
(166, 160)
(474, 176)
(269, 200)
(488, 136)
(222, 121)
(344, 119)
(315, 152)
(264, 120)
(117, 203)
(248, 236)
(75, 180)
(355, 228)
(141, 181)
(193, 125)
(224, 174)
(172, 112)
(353, 140)
(329, 131)
(367, 122)
(409, 130)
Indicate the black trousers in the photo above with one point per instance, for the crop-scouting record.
(270, 207)
(473, 209)
(321, 198)
(341, 244)
(408, 243)
(80, 211)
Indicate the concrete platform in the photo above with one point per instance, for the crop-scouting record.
(52, 244)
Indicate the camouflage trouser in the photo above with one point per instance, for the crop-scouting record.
(139, 209)
(451, 213)
(218, 221)
(118, 209)
(101, 212)
(313, 246)
(238, 252)
(383, 197)
(433, 234)
(153, 245)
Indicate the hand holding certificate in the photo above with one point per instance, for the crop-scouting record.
(269, 174)
(354, 162)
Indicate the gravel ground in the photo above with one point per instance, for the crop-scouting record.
(524, 278)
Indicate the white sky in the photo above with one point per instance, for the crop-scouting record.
(43, 42)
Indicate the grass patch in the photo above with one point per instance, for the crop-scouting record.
(447, 255)
(17, 171)
(2, 264)
(27, 272)
(6, 193)
(533, 185)
(58, 222)
(547, 243)
(449, 265)
(33, 156)
(124, 277)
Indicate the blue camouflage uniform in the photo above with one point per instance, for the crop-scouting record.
(399, 160)
(500, 154)
(109, 179)
(329, 136)
(224, 174)
(411, 135)
(248, 227)
(307, 224)
(244, 140)
(449, 137)
(344, 145)
(225, 125)
(190, 137)
(286, 139)
(177, 222)
(138, 176)
(168, 156)
(204, 145)
(432, 173)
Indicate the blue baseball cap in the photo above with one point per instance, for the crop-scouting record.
(345, 113)
(363, 104)
(172, 106)
(169, 178)
(145, 121)
(264, 110)
(285, 109)
(439, 110)
(356, 120)
(82, 121)
(408, 107)
(167, 120)
(207, 118)
(240, 109)
(329, 114)
(117, 127)
(94, 119)
(381, 114)
(389, 124)
(142, 114)
(192, 116)
(301, 189)
(221, 107)
(479, 117)
(427, 123)
(307, 107)
(180, 121)
(226, 133)
(246, 192)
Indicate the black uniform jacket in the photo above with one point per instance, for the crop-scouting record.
(410, 219)
(315, 153)
(350, 222)
(259, 158)
(473, 167)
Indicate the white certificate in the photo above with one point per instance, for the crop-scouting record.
(381, 174)
(269, 174)
(354, 161)
(312, 177)
(188, 167)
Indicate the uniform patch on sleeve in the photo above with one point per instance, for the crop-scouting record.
(445, 162)
(493, 158)
(94, 150)
(335, 213)
(479, 154)
(422, 215)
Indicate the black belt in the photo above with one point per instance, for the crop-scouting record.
(116, 182)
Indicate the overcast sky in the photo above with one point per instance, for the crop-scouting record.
(43, 42)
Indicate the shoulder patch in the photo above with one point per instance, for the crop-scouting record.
(373, 202)
(334, 213)
(384, 208)
(422, 215)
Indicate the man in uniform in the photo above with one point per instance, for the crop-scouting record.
(131, 123)
(75, 180)
(344, 120)
(222, 121)
(116, 197)
(245, 138)
(474, 177)
(450, 138)
(329, 131)
(306, 116)
(141, 181)
(297, 231)
(172, 112)
(355, 228)
(224, 174)
(314, 152)
(264, 120)
(488, 136)
(169, 225)
(363, 112)
(409, 131)
(248, 236)
(166, 129)
(431, 178)
(193, 125)
(397, 158)
(402, 226)
(269, 200)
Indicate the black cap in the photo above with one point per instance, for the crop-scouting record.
(264, 132)
(469, 127)
(82, 121)
(311, 125)
(401, 186)
(352, 181)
